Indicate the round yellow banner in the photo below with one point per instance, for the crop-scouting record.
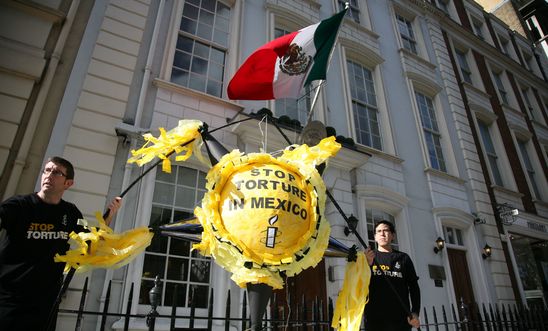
(266, 207)
(263, 215)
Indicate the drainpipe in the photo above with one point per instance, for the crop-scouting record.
(126, 180)
(22, 154)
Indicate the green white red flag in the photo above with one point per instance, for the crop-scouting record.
(282, 67)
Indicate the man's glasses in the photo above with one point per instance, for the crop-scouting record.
(55, 173)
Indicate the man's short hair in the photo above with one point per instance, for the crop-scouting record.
(64, 163)
(387, 223)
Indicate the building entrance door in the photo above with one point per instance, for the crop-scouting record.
(310, 285)
(462, 283)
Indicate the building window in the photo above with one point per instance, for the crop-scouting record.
(527, 60)
(500, 87)
(180, 269)
(463, 65)
(373, 216)
(364, 105)
(353, 10)
(443, 5)
(202, 43)
(430, 128)
(406, 33)
(453, 236)
(299, 108)
(529, 168)
(477, 26)
(527, 100)
(504, 45)
(490, 152)
(530, 255)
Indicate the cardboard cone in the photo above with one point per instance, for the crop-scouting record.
(215, 150)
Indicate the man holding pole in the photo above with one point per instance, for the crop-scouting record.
(33, 229)
(393, 283)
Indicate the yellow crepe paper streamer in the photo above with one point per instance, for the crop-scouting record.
(106, 249)
(229, 250)
(353, 295)
(170, 142)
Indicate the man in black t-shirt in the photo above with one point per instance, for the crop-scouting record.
(33, 229)
(393, 282)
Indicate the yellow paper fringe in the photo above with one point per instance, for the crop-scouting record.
(105, 249)
(170, 142)
(225, 248)
(353, 295)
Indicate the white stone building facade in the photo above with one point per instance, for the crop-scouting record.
(447, 109)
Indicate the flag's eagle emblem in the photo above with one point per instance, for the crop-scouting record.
(295, 61)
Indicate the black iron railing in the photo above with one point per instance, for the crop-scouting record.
(316, 315)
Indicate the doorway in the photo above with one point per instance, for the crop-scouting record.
(305, 288)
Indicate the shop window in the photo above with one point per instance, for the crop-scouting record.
(531, 256)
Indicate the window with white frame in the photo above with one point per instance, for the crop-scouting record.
(477, 26)
(202, 43)
(497, 76)
(527, 59)
(463, 65)
(353, 9)
(364, 105)
(373, 216)
(490, 152)
(432, 135)
(299, 108)
(184, 274)
(405, 28)
(527, 101)
(443, 5)
(504, 45)
(529, 169)
(453, 236)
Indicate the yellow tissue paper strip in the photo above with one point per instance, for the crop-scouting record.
(353, 295)
(101, 248)
(170, 142)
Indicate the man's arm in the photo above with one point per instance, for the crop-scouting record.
(113, 207)
(415, 295)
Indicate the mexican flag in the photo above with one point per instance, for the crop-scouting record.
(280, 68)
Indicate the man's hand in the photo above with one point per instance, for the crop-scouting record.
(414, 320)
(113, 207)
(370, 255)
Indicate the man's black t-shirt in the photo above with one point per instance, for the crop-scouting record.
(384, 306)
(32, 232)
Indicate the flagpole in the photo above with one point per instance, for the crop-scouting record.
(346, 5)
